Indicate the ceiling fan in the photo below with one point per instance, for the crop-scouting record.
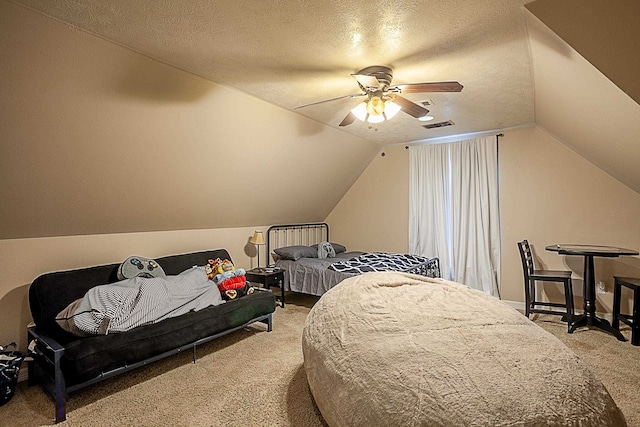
(384, 100)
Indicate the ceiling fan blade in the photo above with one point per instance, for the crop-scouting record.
(355, 95)
(367, 82)
(430, 87)
(410, 107)
(350, 118)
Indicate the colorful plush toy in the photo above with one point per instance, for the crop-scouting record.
(227, 278)
(218, 266)
(237, 293)
(234, 282)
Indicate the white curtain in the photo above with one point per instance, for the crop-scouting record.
(427, 203)
(454, 212)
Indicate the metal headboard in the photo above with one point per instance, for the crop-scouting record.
(308, 234)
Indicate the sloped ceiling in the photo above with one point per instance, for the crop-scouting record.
(291, 53)
(597, 115)
(605, 33)
(97, 139)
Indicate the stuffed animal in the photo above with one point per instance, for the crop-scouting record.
(231, 282)
(218, 266)
(222, 265)
(230, 294)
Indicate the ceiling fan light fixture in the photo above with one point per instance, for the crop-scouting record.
(425, 118)
(391, 109)
(360, 111)
(375, 110)
(378, 118)
(375, 106)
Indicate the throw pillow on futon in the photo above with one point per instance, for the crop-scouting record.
(137, 266)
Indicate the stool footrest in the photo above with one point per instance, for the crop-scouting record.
(633, 319)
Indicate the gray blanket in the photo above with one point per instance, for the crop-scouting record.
(124, 305)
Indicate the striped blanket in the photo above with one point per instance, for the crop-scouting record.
(124, 305)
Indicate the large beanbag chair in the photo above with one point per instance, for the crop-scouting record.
(392, 349)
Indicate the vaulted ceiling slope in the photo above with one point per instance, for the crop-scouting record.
(290, 53)
(605, 33)
(586, 91)
(97, 139)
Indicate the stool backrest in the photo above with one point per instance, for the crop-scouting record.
(526, 257)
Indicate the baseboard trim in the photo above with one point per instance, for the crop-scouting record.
(23, 375)
(515, 304)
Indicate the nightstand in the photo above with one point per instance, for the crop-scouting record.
(268, 278)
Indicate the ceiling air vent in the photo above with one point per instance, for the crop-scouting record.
(439, 124)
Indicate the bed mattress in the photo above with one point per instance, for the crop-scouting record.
(316, 276)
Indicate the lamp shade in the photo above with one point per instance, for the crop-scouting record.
(257, 238)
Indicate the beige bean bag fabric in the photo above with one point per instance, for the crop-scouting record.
(392, 349)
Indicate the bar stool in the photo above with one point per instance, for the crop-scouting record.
(531, 276)
(633, 319)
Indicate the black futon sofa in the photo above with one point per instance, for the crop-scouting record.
(64, 362)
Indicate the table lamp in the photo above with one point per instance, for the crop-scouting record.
(258, 240)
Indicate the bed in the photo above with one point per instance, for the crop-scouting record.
(392, 349)
(294, 249)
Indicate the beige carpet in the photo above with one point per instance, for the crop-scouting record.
(616, 363)
(255, 378)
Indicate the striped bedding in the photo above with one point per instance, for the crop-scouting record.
(124, 305)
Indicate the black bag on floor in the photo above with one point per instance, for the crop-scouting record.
(10, 361)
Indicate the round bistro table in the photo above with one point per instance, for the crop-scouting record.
(589, 317)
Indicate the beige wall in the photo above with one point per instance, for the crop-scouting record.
(372, 215)
(22, 260)
(99, 139)
(548, 194)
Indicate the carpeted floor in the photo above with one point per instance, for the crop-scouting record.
(616, 363)
(255, 378)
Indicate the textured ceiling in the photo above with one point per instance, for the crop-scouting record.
(291, 53)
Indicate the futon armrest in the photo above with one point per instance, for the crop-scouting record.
(42, 338)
